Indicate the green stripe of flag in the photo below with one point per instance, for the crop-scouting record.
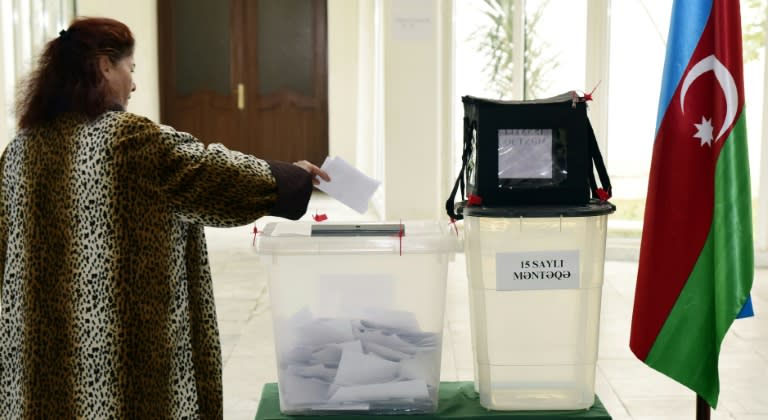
(688, 345)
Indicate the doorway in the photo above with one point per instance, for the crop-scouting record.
(250, 74)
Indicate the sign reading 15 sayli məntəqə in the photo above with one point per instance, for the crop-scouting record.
(537, 270)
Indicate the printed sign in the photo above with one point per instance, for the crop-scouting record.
(412, 20)
(525, 153)
(537, 270)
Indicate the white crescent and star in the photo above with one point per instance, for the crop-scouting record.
(727, 84)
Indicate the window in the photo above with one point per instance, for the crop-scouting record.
(26, 26)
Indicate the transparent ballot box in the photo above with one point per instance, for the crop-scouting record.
(535, 278)
(357, 314)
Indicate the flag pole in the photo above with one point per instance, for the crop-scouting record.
(702, 408)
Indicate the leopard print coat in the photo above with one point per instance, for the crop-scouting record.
(107, 301)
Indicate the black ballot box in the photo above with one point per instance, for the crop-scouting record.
(531, 152)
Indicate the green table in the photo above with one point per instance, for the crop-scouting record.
(458, 401)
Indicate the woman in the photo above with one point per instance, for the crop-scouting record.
(107, 302)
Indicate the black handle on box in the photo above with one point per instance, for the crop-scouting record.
(380, 229)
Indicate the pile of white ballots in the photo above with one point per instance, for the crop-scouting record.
(380, 362)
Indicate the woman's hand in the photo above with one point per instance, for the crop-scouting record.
(313, 170)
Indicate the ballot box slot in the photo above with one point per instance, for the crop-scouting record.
(380, 229)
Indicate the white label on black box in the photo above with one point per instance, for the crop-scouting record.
(525, 153)
(537, 270)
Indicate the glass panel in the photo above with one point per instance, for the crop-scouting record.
(554, 40)
(286, 59)
(476, 51)
(635, 85)
(25, 27)
(555, 47)
(202, 56)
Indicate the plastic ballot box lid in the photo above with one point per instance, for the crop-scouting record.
(290, 238)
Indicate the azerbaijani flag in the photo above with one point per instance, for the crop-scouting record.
(696, 257)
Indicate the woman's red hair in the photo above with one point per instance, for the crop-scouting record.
(67, 78)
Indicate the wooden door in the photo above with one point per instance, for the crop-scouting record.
(287, 100)
(251, 74)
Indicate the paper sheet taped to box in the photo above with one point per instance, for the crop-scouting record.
(525, 153)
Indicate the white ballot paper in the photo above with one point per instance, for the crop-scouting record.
(416, 389)
(348, 184)
(381, 362)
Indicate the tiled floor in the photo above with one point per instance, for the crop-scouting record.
(628, 389)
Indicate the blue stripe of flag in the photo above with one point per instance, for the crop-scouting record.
(746, 310)
(687, 24)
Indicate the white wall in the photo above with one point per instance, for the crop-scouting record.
(343, 41)
(416, 114)
(141, 17)
(354, 99)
